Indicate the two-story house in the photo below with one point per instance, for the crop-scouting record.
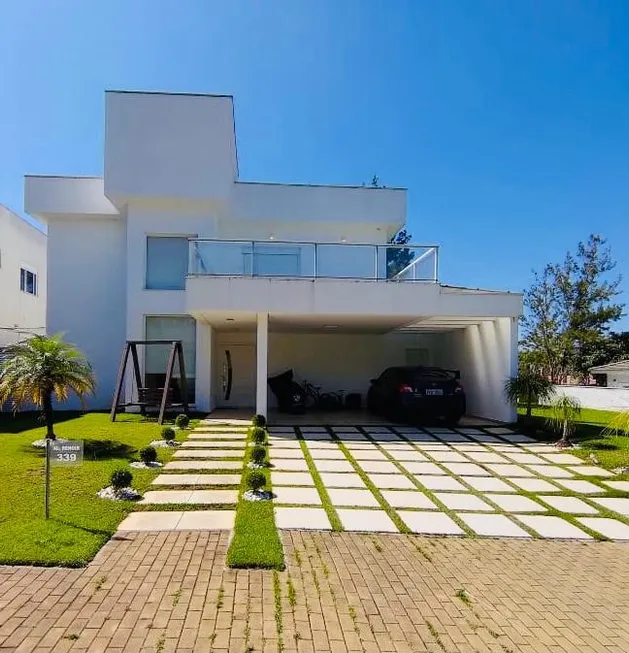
(22, 278)
(254, 278)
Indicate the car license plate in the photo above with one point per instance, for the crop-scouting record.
(433, 391)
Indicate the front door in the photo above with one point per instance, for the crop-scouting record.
(237, 383)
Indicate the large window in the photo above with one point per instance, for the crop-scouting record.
(28, 281)
(172, 327)
(166, 262)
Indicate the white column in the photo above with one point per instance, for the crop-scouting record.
(262, 351)
(203, 381)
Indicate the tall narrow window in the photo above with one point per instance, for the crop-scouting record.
(171, 327)
(28, 281)
(166, 262)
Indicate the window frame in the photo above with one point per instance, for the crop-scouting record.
(24, 271)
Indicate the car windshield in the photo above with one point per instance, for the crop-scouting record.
(435, 373)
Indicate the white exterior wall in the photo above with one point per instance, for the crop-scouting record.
(87, 292)
(21, 246)
(598, 398)
(618, 379)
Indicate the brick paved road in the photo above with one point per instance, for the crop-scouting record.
(341, 592)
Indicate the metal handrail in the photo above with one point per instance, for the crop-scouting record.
(310, 242)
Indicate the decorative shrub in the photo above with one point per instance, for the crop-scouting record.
(259, 420)
(148, 455)
(256, 480)
(168, 433)
(258, 455)
(182, 421)
(121, 478)
(258, 434)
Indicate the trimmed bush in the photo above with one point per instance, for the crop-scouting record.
(148, 455)
(258, 455)
(259, 420)
(182, 421)
(168, 433)
(256, 480)
(258, 434)
(121, 478)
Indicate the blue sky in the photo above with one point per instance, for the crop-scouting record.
(507, 121)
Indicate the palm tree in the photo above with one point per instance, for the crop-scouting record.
(40, 367)
(526, 386)
(564, 412)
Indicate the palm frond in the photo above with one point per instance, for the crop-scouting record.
(618, 425)
(564, 412)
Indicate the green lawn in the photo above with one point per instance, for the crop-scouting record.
(611, 450)
(80, 522)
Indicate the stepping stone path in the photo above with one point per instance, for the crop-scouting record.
(202, 480)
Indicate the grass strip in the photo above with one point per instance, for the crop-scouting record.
(256, 543)
(323, 493)
(279, 624)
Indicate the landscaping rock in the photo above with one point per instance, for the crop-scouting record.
(41, 444)
(260, 495)
(621, 470)
(124, 494)
(138, 464)
(253, 465)
(165, 443)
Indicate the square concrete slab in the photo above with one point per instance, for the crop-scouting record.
(322, 444)
(534, 485)
(408, 455)
(166, 496)
(486, 439)
(151, 521)
(485, 457)
(507, 448)
(562, 459)
(571, 505)
(610, 528)
(407, 429)
(553, 527)
(276, 452)
(284, 444)
(451, 437)
(411, 499)
(327, 454)
(208, 444)
(590, 470)
(619, 505)
(208, 453)
(419, 437)
(372, 521)
(621, 486)
(313, 429)
(440, 483)
(463, 501)
(433, 446)
(352, 437)
(377, 429)
(492, 525)
(281, 429)
(197, 479)
(385, 437)
(430, 523)
(508, 470)
(290, 464)
(378, 467)
(340, 479)
(352, 497)
(498, 430)
(581, 487)
(213, 496)
(517, 437)
(203, 464)
(334, 466)
(292, 478)
(221, 442)
(439, 430)
(369, 454)
(393, 481)
(551, 471)
(467, 431)
(526, 458)
(207, 520)
(302, 519)
(465, 469)
(309, 435)
(448, 456)
(345, 429)
(487, 484)
(424, 468)
(516, 503)
(298, 495)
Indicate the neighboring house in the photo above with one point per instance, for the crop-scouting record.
(22, 278)
(616, 375)
(170, 243)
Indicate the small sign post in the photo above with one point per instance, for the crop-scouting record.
(61, 454)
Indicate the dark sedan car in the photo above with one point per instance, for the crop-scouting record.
(417, 394)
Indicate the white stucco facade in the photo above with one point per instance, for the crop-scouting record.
(22, 278)
(171, 240)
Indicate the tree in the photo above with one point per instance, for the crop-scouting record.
(40, 367)
(399, 257)
(564, 412)
(527, 386)
(569, 309)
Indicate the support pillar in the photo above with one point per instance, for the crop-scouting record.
(262, 354)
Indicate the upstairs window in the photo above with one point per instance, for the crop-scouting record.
(28, 281)
(166, 262)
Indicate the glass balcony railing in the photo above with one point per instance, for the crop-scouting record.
(313, 260)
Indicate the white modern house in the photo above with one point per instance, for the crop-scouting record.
(254, 278)
(616, 374)
(22, 278)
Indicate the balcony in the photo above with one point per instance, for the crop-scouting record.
(229, 258)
